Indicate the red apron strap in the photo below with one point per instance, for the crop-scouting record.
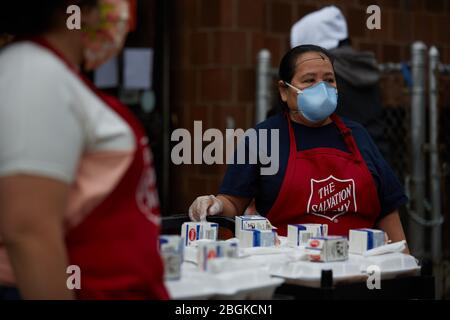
(292, 142)
(348, 137)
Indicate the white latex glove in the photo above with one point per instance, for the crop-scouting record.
(205, 206)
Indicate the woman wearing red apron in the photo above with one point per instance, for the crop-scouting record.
(329, 171)
(78, 200)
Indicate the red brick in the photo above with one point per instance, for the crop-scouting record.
(435, 6)
(356, 21)
(238, 113)
(198, 186)
(210, 170)
(392, 94)
(341, 4)
(303, 10)
(246, 84)
(216, 182)
(187, 13)
(231, 48)
(418, 5)
(446, 55)
(369, 46)
(199, 113)
(185, 89)
(391, 53)
(280, 17)
(217, 13)
(200, 51)
(444, 91)
(182, 110)
(366, 3)
(215, 84)
(180, 49)
(251, 14)
(180, 200)
(256, 45)
(442, 30)
(422, 27)
(277, 48)
(390, 4)
(401, 28)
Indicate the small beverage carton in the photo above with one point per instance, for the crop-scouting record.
(299, 234)
(208, 250)
(251, 222)
(171, 250)
(327, 249)
(193, 231)
(257, 238)
(361, 240)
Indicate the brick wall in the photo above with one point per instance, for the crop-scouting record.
(213, 59)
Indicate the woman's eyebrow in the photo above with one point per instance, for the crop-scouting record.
(309, 74)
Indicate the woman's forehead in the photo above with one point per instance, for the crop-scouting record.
(313, 61)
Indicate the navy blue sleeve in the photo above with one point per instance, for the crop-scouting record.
(391, 193)
(241, 179)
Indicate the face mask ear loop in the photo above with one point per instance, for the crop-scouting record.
(298, 92)
(290, 85)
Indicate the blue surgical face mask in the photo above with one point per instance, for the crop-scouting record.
(316, 103)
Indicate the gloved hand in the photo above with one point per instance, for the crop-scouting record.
(205, 206)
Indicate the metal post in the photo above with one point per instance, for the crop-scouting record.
(416, 230)
(262, 85)
(435, 172)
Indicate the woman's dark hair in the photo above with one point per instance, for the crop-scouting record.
(29, 18)
(287, 66)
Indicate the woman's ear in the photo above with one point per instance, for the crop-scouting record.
(282, 88)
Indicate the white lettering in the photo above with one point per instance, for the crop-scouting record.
(73, 22)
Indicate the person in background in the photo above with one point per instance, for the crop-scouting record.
(357, 73)
(330, 170)
(77, 184)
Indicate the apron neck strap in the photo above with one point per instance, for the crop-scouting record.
(343, 129)
(348, 137)
(292, 142)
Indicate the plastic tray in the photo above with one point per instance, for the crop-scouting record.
(255, 283)
(309, 273)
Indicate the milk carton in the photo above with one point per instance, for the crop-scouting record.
(208, 250)
(171, 250)
(193, 231)
(299, 234)
(257, 238)
(361, 240)
(251, 222)
(327, 249)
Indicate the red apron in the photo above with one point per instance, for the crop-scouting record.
(115, 246)
(326, 185)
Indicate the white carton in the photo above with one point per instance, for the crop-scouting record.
(257, 238)
(208, 250)
(251, 222)
(361, 240)
(299, 234)
(193, 231)
(171, 250)
(327, 249)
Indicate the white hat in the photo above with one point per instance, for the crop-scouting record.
(324, 28)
